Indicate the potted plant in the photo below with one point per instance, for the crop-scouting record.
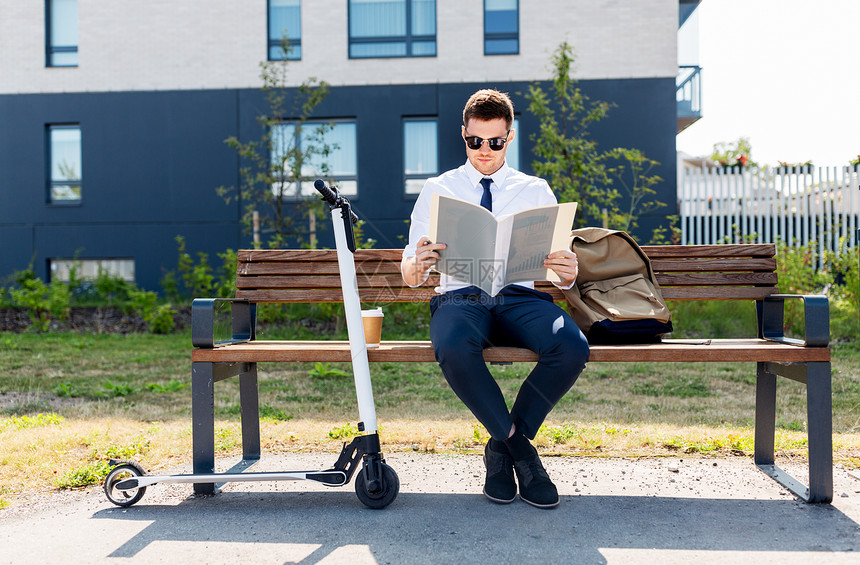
(803, 168)
(733, 155)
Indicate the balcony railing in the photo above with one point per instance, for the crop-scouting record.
(688, 93)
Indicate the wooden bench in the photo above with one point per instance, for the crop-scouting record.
(686, 272)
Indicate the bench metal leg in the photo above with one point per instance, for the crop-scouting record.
(250, 406)
(765, 416)
(819, 406)
(819, 415)
(203, 423)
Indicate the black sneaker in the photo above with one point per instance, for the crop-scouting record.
(535, 486)
(500, 485)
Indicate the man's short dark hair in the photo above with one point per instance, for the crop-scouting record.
(488, 104)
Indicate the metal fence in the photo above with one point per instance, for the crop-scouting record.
(796, 205)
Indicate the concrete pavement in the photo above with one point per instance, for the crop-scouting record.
(675, 510)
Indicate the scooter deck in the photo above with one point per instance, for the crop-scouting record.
(328, 478)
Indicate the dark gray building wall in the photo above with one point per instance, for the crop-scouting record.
(152, 161)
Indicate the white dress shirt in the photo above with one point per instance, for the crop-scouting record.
(512, 191)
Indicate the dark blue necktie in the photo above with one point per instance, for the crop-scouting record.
(487, 198)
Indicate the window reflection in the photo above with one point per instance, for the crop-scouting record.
(501, 27)
(420, 159)
(64, 147)
(330, 150)
(392, 28)
(62, 47)
(285, 21)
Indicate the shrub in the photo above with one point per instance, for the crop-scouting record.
(225, 286)
(799, 273)
(845, 295)
(197, 278)
(112, 288)
(41, 301)
(159, 317)
(162, 321)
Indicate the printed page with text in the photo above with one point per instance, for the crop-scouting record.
(490, 252)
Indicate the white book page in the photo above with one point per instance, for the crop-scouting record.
(469, 233)
(534, 234)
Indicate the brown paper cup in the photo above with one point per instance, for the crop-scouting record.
(372, 322)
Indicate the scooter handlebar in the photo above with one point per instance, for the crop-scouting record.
(328, 194)
(331, 196)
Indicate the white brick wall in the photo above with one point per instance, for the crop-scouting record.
(203, 44)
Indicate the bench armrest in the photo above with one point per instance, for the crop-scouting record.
(242, 314)
(816, 310)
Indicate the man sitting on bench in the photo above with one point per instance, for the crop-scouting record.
(465, 320)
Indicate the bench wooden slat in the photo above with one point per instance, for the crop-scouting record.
(313, 255)
(674, 350)
(421, 294)
(653, 251)
(716, 279)
(708, 265)
(737, 250)
(425, 293)
(319, 268)
(717, 293)
(312, 281)
(666, 280)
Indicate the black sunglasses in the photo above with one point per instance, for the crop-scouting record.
(495, 143)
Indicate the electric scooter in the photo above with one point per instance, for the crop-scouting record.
(376, 484)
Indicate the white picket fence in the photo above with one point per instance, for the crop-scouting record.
(797, 206)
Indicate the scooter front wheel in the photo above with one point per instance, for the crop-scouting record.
(124, 497)
(382, 497)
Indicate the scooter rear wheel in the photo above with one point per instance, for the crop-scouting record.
(127, 470)
(383, 497)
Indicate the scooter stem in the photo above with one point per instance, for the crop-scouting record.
(352, 309)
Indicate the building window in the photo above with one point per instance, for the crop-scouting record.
(501, 27)
(420, 154)
(64, 156)
(61, 23)
(285, 22)
(340, 165)
(89, 269)
(392, 28)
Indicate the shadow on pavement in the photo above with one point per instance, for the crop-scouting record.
(310, 527)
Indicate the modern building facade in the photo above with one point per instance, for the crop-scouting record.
(113, 115)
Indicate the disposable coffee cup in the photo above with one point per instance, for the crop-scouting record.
(372, 322)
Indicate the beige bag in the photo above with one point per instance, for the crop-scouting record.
(616, 298)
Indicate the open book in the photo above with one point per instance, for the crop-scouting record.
(491, 252)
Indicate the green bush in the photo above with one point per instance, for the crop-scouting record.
(112, 288)
(41, 301)
(159, 317)
(44, 302)
(197, 279)
(845, 295)
(162, 321)
(225, 283)
(799, 273)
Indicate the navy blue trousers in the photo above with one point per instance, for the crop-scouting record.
(463, 322)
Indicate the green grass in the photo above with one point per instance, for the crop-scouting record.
(89, 474)
(147, 377)
(71, 401)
